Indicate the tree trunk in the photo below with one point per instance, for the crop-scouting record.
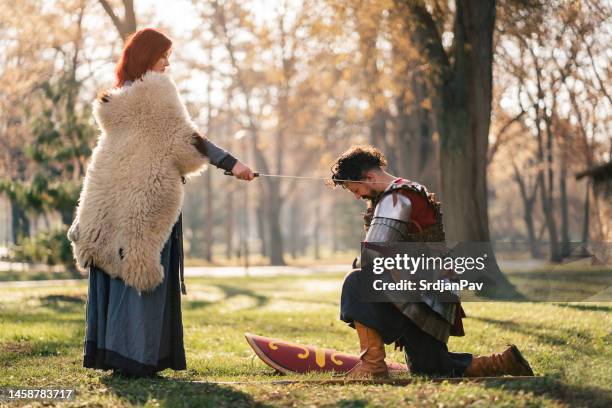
(414, 129)
(565, 238)
(275, 234)
(208, 225)
(261, 228)
(461, 92)
(546, 189)
(585, 222)
(229, 206)
(270, 194)
(245, 228)
(229, 225)
(463, 180)
(461, 99)
(534, 245)
(551, 225)
(379, 138)
(528, 199)
(368, 26)
(464, 120)
(209, 221)
(555, 250)
(333, 227)
(271, 190)
(317, 229)
(294, 238)
(67, 216)
(303, 243)
(21, 222)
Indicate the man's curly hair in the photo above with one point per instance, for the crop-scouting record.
(355, 162)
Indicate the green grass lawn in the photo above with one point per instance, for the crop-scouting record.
(14, 276)
(41, 333)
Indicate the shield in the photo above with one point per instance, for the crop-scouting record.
(291, 358)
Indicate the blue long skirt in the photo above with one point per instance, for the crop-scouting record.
(137, 334)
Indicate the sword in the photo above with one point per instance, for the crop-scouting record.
(257, 174)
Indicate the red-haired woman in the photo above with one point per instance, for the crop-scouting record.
(127, 229)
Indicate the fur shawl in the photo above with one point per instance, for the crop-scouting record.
(132, 193)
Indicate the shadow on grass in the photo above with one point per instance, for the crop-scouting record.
(359, 403)
(196, 304)
(14, 352)
(560, 285)
(14, 276)
(22, 318)
(538, 331)
(261, 300)
(576, 276)
(229, 292)
(572, 395)
(313, 301)
(232, 291)
(587, 308)
(176, 393)
(64, 303)
(64, 308)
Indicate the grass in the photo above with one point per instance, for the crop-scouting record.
(41, 333)
(44, 272)
(345, 257)
(13, 275)
(575, 281)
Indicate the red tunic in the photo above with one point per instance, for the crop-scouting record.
(422, 213)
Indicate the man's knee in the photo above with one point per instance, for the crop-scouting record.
(350, 300)
(351, 281)
(351, 273)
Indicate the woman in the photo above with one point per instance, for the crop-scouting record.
(127, 230)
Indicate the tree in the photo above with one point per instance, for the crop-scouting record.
(52, 161)
(416, 136)
(543, 48)
(269, 87)
(24, 68)
(272, 187)
(460, 82)
(369, 18)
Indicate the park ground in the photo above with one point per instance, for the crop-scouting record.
(42, 328)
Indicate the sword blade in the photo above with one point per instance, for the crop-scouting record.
(229, 173)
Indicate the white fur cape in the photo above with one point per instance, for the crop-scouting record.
(132, 193)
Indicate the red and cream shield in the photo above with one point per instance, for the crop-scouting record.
(287, 357)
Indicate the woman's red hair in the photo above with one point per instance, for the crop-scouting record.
(141, 51)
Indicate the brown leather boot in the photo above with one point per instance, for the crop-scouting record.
(372, 364)
(510, 362)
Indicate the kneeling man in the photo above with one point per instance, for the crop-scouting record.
(402, 210)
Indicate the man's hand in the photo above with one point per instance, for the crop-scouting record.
(242, 172)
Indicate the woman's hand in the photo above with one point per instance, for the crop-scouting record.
(242, 172)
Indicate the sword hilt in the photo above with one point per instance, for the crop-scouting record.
(229, 173)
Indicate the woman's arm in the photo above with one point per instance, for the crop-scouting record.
(217, 156)
(221, 158)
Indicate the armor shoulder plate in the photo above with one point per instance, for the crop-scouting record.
(394, 206)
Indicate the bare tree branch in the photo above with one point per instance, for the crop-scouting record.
(126, 26)
(500, 140)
